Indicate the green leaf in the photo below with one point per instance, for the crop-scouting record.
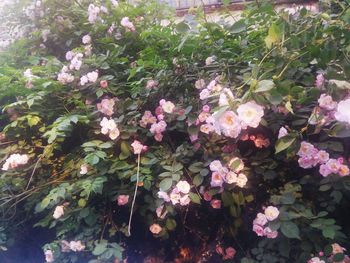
(283, 143)
(328, 232)
(100, 249)
(170, 224)
(238, 27)
(198, 180)
(264, 85)
(274, 35)
(182, 27)
(195, 198)
(165, 184)
(290, 229)
(339, 257)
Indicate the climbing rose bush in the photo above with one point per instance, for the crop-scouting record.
(128, 136)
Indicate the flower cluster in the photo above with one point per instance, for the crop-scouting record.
(228, 253)
(90, 77)
(94, 11)
(178, 195)
(259, 140)
(138, 147)
(259, 224)
(14, 161)
(108, 126)
(310, 157)
(221, 174)
(129, 26)
(106, 106)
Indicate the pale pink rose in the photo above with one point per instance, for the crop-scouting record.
(59, 211)
(343, 111)
(137, 147)
(316, 260)
(230, 253)
(203, 116)
(123, 200)
(104, 84)
(241, 180)
(84, 168)
(185, 200)
(155, 229)
(343, 170)
(164, 196)
(65, 78)
(175, 197)
(106, 106)
(271, 213)
(319, 81)
(215, 203)
(200, 84)
(65, 246)
(158, 137)
(322, 157)
(258, 230)
(125, 22)
(206, 128)
(204, 94)
(307, 162)
(151, 84)
(84, 80)
(107, 125)
(326, 102)
(168, 107)
(14, 161)
(282, 132)
(93, 12)
(70, 55)
(225, 97)
(183, 186)
(76, 62)
(49, 256)
(194, 137)
(333, 165)
(260, 219)
(215, 166)
(230, 124)
(250, 113)
(307, 150)
(86, 39)
(216, 180)
(337, 248)
(324, 170)
(230, 177)
(206, 108)
(76, 246)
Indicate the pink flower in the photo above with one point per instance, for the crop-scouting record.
(86, 39)
(333, 165)
(104, 84)
(49, 256)
(206, 128)
(316, 260)
(151, 84)
(230, 124)
(307, 150)
(250, 113)
(183, 187)
(258, 230)
(230, 253)
(204, 94)
(231, 177)
(147, 118)
(326, 102)
(167, 106)
(70, 55)
(106, 106)
(107, 125)
(207, 196)
(155, 229)
(158, 137)
(282, 132)
(343, 170)
(343, 111)
(271, 213)
(260, 219)
(269, 233)
(161, 213)
(125, 22)
(215, 166)
(206, 108)
(307, 162)
(123, 199)
(84, 168)
(216, 180)
(209, 60)
(225, 96)
(322, 157)
(324, 170)
(84, 80)
(164, 196)
(319, 81)
(138, 147)
(185, 200)
(14, 161)
(215, 203)
(93, 12)
(65, 78)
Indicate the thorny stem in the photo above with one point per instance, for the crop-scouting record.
(135, 193)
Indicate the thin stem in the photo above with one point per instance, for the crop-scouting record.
(135, 193)
(31, 176)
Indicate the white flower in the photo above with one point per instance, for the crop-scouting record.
(114, 134)
(316, 260)
(250, 113)
(282, 132)
(84, 168)
(231, 177)
(326, 102)
(230, 124)
(59, 211)
(209, 60)
(14, 161)
(92, 76)
(114, 2)
(271, 213)
(184, 187)
(343, 111)
(84, 80)
(125, 22)
(215, 166)
(65, 78)
(200, 84)
(168, 107)
(86, 39)
(205, 93)
(70, 55)
(241, 180)
(49, 256)
(155, 229)
(76, 246)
